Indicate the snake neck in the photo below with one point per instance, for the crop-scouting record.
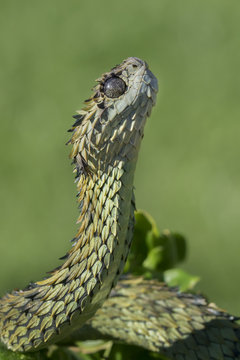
(51, 308)
(106, 206)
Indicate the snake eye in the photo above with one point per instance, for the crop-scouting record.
(114, 87)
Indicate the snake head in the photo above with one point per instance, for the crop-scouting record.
(110, 126)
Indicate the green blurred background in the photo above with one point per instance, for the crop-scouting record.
(188, 175)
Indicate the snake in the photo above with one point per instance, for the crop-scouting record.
(86, 297)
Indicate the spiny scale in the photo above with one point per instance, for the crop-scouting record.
(161, 319)
(105, 144)
(106, 138)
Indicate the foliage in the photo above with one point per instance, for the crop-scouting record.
(153, 255)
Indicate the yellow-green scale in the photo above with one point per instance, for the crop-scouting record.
(63, 302)
(105, 143)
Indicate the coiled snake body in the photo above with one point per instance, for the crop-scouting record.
(105, 142)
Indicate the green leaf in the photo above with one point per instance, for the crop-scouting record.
(154, 259)
(180, 278)
(173, 249)
(63, 353)
(94, 349)
(139, 247)
(127, 352)
(152, 253)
